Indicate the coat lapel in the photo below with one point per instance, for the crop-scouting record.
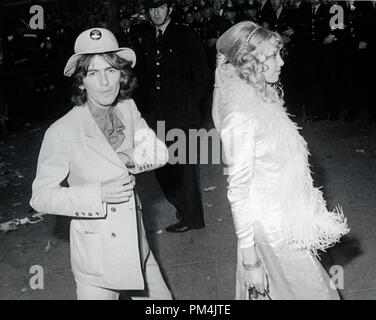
(127, 120)
(96, 140)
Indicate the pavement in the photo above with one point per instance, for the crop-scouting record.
(199, 264)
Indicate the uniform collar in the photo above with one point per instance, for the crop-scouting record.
(163, 28)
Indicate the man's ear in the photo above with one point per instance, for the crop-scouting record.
(81, 87)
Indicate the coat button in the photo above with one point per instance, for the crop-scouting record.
(158, 75)
(113, 235)
(113, 209)
(158, 88)
(157, 63)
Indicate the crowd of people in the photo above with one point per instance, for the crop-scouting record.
(329, 66)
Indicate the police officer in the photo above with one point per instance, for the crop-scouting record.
(229, 13)
(126, 36)
(248, 11)
(317, 69)
(265, 10)
(359, 25)
(174, 81)
(300, 12)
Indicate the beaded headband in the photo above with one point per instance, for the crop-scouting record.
(245, 43)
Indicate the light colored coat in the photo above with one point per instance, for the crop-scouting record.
(107, 241)
(269, 178)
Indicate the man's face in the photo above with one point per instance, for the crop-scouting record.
(102, 82)
(197, 15)
(189, 18)
(125, 23)
(217, 7)
(230, 15)
(158, 15)
(208, 12)
(315, 2)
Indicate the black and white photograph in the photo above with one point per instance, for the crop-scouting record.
(201, 151)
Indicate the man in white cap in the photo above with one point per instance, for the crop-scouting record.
(97, 148)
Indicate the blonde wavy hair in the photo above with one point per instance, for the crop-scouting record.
(246, 46)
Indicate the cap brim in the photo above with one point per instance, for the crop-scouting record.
(125, 53)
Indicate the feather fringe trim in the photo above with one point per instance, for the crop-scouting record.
(306, 222)
(320, 231)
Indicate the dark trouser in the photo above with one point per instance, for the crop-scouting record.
(370, 85)
(180, 183)
(318, 75)
(292, 79)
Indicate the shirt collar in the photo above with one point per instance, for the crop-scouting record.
(163, 28)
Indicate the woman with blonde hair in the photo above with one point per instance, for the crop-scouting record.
(280, 218)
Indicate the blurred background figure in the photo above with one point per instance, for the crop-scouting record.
(248, 11)
(229, 13)
(265, 10)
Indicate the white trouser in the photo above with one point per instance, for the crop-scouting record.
(155, 289)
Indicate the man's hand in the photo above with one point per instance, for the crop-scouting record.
(329, 39)
(118, 190)
(362, 45)
(125, 159)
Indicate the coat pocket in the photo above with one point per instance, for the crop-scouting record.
(86, 252)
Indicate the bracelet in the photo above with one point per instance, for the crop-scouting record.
(254, 266)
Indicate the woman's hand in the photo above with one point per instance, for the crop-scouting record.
(255, 275)
(257, 278)
(118, 190)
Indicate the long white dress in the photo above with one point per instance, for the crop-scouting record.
(273, 201)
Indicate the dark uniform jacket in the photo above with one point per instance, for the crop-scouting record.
(281, 23)
(359, 21)
(299, 20)
(316, 26)
(174, 81)
(264, 12)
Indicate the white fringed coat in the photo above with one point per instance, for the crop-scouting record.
(273, 201)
